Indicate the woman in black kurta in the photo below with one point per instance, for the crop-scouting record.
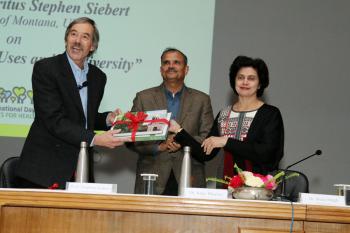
(250, 131)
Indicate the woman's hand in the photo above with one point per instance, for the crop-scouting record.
(213, 142)
(174, 126)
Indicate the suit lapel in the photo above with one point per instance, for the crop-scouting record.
(185, 106)
(70, 83)
(159, 98)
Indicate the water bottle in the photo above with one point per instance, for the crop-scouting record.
(82, 172)
(185, 178)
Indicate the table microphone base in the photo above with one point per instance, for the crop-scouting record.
(281, 198)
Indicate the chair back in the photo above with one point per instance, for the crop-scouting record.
(8, 178)
(294, 185)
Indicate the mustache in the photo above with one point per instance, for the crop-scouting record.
(77, 44)
(171, 69)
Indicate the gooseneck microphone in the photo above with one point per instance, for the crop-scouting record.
(317, 152)
(84, 84)
(283, 189)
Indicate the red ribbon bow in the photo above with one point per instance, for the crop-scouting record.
(134, 122)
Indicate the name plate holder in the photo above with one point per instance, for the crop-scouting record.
(206, 193)
(321, 199)
(92, 188)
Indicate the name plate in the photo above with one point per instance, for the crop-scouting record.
(321, 199)
(206, 193)
(95, 188)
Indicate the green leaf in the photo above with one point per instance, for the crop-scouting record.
(217, 180)
(239, 171)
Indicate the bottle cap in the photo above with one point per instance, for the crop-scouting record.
(83, 144)
(187, 149)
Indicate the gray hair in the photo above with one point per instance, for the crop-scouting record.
(95, 36)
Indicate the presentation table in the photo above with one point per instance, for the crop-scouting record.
(61, 212)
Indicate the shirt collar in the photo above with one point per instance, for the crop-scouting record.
(170, 94)
(76, 68)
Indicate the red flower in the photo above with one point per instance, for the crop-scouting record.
(236, 182)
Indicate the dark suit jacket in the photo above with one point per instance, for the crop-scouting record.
(52, 146)
(195, 115)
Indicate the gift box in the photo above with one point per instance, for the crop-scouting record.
(143, 126)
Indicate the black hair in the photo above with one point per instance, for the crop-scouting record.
(257, 64)
(167, 50)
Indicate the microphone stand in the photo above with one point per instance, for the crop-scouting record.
(283, 196)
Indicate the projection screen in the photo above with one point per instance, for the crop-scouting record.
(133, 36)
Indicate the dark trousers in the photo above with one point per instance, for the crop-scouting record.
(172, 187)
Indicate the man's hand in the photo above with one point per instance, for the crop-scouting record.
(170, 145)
(107, 139)
(111, 116)
(213, 142)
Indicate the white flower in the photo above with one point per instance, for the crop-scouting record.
(247, 174)
(251, 180)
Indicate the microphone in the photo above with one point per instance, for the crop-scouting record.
(84, 84)
(283, 195)
(317, 152)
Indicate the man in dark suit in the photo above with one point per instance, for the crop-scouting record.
(190, 107)
(67, 94)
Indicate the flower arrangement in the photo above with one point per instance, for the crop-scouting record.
(249, 179)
